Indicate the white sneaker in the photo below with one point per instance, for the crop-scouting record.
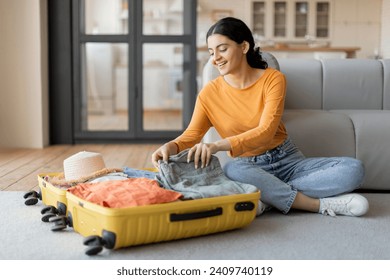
(347, 204)
(261, 208)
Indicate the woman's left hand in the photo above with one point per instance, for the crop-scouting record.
(202, 152)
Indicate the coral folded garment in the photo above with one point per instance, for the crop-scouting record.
(125, 193)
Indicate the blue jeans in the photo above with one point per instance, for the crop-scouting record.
(283, 171)
(180, 176)
(138, 173)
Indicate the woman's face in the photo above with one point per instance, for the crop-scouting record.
(227, 55)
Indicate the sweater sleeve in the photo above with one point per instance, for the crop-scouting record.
(197, 128)
(269, 122)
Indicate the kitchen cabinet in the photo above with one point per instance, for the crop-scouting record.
(291, 20)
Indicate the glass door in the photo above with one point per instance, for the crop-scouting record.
(134, 68)
(162, 71)
(102, 43)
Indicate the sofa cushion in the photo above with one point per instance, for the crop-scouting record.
(386, 85)
(352, 84)
(320, 133)
(304, 83)
(372, 130)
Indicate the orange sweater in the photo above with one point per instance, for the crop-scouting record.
(250, 118)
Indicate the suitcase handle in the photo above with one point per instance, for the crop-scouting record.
(196, 215)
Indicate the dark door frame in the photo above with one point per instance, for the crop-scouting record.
(65, 78)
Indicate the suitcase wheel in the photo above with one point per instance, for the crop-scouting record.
(31, 201)
(48, 212)
(60, 222)
(31, 198)
(49, 209)
(93, 240)
(58, 227)
(95, 244)
(46, 218)
(61, 208)
(93, 250)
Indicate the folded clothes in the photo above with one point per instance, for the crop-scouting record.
(109, 177)
(124, 193)
(180, 176)
(139, 173)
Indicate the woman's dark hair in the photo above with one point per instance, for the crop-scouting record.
(236, 30)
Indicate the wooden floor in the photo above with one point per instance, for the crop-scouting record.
(19, 167)
(156, 120)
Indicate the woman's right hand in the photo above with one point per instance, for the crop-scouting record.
(163, 153)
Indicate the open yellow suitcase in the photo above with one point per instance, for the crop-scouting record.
(113, 228)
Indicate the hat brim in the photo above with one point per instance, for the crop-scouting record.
(60, 179)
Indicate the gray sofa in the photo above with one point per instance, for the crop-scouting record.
(336, 107)
(341, 107)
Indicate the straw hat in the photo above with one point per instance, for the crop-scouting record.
(82, 167)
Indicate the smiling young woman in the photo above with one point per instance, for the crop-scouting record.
(245, 105)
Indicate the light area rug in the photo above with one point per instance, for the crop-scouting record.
(272, 236)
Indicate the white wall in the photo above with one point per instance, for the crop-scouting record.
(357, 23)
(23, 74)
(385, 46)
(240, 9)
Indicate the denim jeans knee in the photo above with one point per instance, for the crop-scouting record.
(274, 192)
(325, 177)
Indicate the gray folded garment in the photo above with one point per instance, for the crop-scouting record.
(210, 181)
